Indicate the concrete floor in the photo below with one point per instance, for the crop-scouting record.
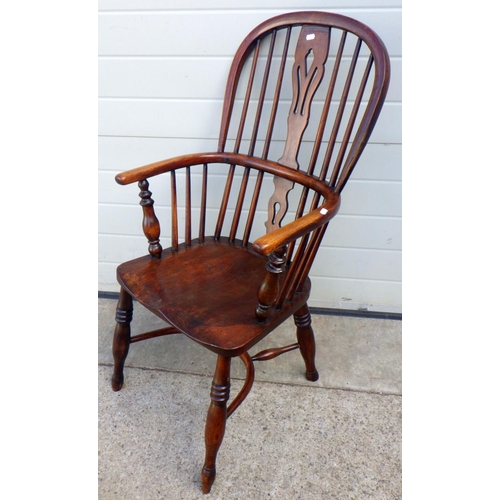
(337, 438)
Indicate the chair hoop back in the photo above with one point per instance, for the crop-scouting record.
(342, 55)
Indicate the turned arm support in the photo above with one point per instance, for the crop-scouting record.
(269, 288)
(150, 223)
(274, 246)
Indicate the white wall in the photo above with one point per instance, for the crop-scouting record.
(162, 71)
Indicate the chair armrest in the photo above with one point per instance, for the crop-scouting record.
(160, 167)
(163, 166)
(298, 228)
(281, 236)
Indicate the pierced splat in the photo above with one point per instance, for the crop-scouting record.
(313, 44)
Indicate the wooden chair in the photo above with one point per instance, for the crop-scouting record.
(232, 277)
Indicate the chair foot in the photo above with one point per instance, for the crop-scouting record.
(216, 420)
(121, 339)
(307, 344)
(117, 382)
(207, 479)
(312, 376)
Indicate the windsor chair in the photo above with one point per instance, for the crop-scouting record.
(255, 211)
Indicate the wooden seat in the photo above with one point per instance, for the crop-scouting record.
(303, 95)
(217, 309)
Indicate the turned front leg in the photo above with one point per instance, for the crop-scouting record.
(121, 339)
(307, 344)
(216, 420)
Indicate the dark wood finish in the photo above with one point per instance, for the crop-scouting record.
(236, 282)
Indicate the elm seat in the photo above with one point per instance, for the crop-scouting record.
(215, 306)
(303, 94)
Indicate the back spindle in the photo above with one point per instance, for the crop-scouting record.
(224, 202)
(248, 95)
(356, 147)
(175, 222)
(277, 92)
(203, 204)
(262, 95)
(239, 205)
(188, 207)
(338, 120)
(253, 207)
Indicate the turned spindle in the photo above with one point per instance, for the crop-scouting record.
(269, 289)
(150, 223)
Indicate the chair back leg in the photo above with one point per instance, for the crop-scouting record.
(307, 344)
(121, 339)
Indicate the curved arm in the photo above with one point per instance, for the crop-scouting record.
(161, 167)
(298, 228)
(277, 238)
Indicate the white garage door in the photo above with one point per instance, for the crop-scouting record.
(162, 71)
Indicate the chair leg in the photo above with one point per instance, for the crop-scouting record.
(216, 420)
(121, 339)
(305, 338)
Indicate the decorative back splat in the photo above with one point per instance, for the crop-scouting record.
(313, 43)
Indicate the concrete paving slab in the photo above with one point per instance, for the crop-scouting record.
(290, 439)
(284, 442)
